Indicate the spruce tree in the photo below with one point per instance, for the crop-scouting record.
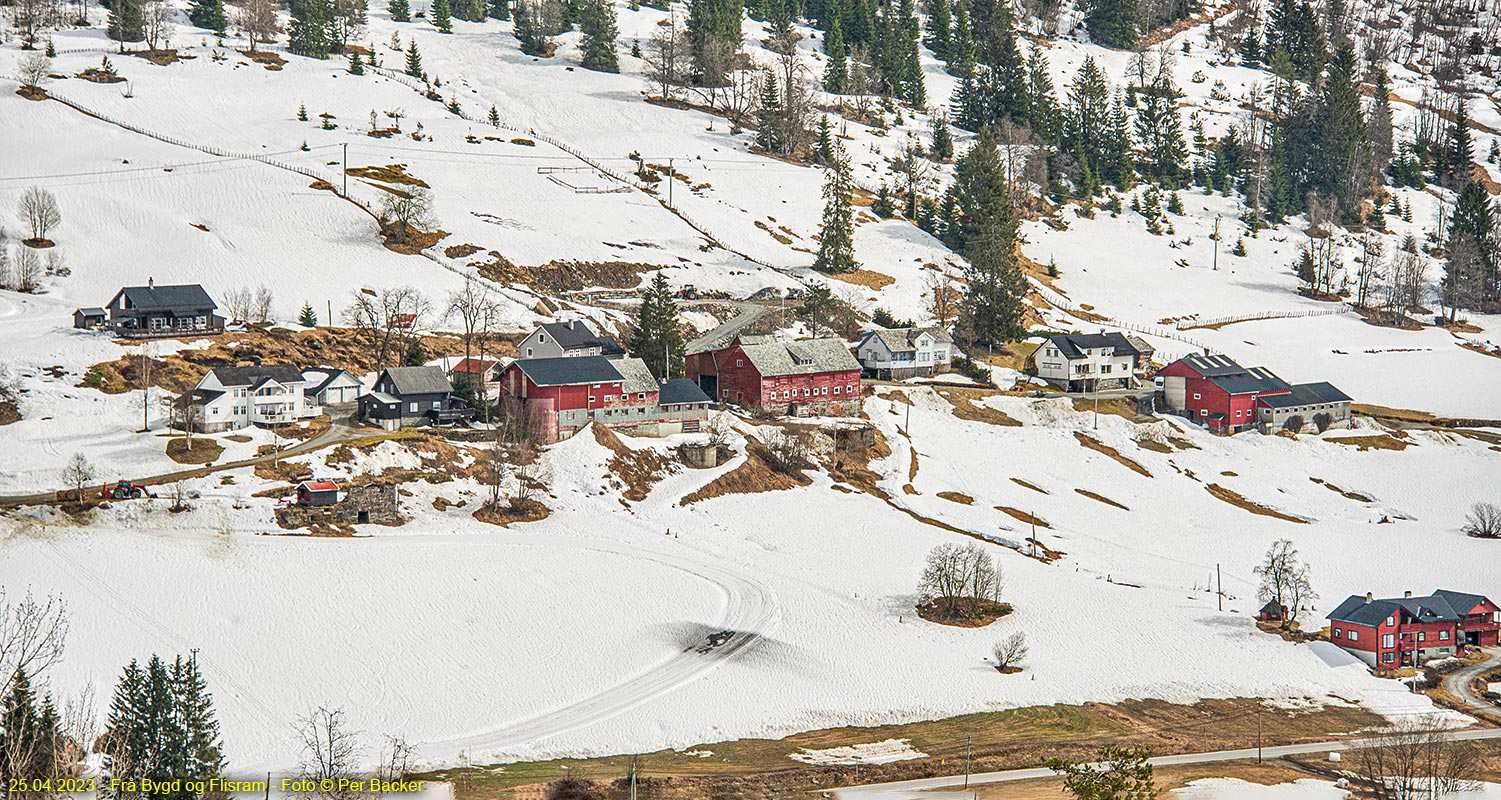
(657, 335)
(529, 34)
(1472, 274)
(202, 756)
(470, 10)
(939, 23)
(311, 31)
(1113, 23)
(1379, 123)
(836, 73)
(992, 311)
(1160, 130)
(883, 207)
(980, 191)
(1339, 153)
(20, 731)
(1087, 119)
(1117, 162)
(1459, 154)
(907, 65)
(494, 117)
(960, 60)
(769, 115)
(943, 142)
(414, 60)
(836, 247)
(440, 14)
(127, 22)
(823, 151)
(307, 318)
(1043, 114)
(356, 64)
(597, 22)
(208, 14)
(500, 9)
(400, 11)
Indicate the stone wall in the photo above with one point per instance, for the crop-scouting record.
(371, 503)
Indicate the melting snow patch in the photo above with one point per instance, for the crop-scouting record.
(870, 753)
(699, 753)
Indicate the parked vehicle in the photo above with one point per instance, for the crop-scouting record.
(125, 490)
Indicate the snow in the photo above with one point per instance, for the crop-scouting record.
(1236, 789)
(883, 752)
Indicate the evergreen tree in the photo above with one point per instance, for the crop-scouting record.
(1471, 275)
(907, 66)
(1340, 160)
(968, 102)
(836, 74)
(1113, 23)
(400, 11)
(307, 318)
(500, 9)
(208, 14)
(20, 732)
(714, 33)
(946, 222)
(960, 60)
(1006, 87)
(311, 31)
(194, 708)
(1087, 120)
(980, 193)
(597, 22)
(1459, 155)
(992, 311)
(769, 115)
(356, 64)
(1293, 28)
(943, 142)
(1160, 130)
(440, 14)
(939, 24)
(823, 152)
(416, 355)
(127, 23)
(529, 33)
(883, 207)
(494, 118)
(657, 336)
(1118, 162)
(414, 60)
(1379, 124)
(836, 247)
(1043, 114)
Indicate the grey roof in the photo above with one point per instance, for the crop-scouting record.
(417, 380)
(899, 340)
(1072, 345)
(1252, 381)
(257, 374)
(1305, 394)
(1461, 602)
(330, 374)
(1212, 365)
(577, 335)
(1427, 609)
(167, 298)
(637, 375)
(804, 357)
(1142, 346)
(89, 312)
(205, 396)
(570, 370)
(681, 390)
(383, 398)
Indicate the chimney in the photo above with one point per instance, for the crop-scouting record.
(151, 283)
(1368, 597)
(1407, 593)
(572, 323)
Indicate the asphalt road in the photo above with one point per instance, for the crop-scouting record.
(1458, 684)
(339, 430)
(915, 788)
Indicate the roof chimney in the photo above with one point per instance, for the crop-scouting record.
(572, 323)
(1407, 593)
(1368, 597)
(151, 283)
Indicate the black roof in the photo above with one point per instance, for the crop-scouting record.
(1071, 345)
(577, 335)
(1306, 394)
(569, 370)
(417, 380)
(1358, 610)
(681, 390)
(254, 375)
(167, 298)
(1252, 381)
(1461, 602)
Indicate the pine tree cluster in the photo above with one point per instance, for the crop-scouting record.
(161, 723)
(657, 335)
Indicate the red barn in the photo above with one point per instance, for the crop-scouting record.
(559, 396)
(812, 376)
(1408, 631)
(1215, 391)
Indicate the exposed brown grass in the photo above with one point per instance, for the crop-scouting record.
(1234, 498)
(1378, 441)
(1100, 447)
(1356, 496)
(1023, 516)
(864, 277)
(1101, 498)
(1033, 487)
(958, 613)
(1403, 414)
(965, 407)
(754, 476)
(389, 173)
(507, 514)
(957, 497)
(634, 472)
(199, 450)
(266, 58)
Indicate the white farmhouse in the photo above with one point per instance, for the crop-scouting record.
(1088, 362)
(894, 353)
(229, 398)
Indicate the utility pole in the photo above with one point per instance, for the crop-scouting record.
(907, 426)
(671, 178)
(1258, 734)
(345, 170)
(329, 320)
(633, 779)
(1219, 586)
(1216, 243)
(968, 742)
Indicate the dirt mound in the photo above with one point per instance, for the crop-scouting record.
(756, 475)
(506, 514)
(634, 472)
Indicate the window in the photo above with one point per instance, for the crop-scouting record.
(1338, 634)
(1354, 635)
(1388, 640)
(784, 394)
(541, 337)
(739, 362)
(1387, 658)
(807, 392)
(640, 395)
(591, 398)
(1443, 651)
(1443, 636)
(1390, 621)
(412, 407)
(851, 390)
(528, 352)
(836, 390)
(609, 397)
(1422, 636)
(437, 404)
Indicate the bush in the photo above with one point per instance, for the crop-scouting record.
(787, 452)
(1484, 521)
(885, 319)
(574, 789)
(969, 368)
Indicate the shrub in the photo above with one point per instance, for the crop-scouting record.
(1484, 521)
(969, 368)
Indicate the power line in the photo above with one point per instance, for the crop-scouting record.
(182, 165)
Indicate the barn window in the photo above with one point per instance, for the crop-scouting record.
(1354, 635)
(1443, 636)
(1387, 657)
(1196, 395)
(739, 362)
(1338, 634)
(609, 397)
(1390, 621)
(836, 390)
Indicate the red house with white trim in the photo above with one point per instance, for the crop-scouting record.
(811, 376)
(1407, 630)
(559, 396)
(1215, 391)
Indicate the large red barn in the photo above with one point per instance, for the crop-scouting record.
(802, 377)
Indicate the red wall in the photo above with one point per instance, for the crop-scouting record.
(1371, 638)
(739, 382)
(569, 398)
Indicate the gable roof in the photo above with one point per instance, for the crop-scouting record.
(89, 312)
(637, 375)
(166, 298)
(899, 340)
(1358, 610)
(569, 370)
(803, 357)
(1461, 602)
(473, 366)
(319, 486)
(417, 380)
(1305, 394)
(1072, 346)
(1255, 380)
(681, 390)
(257, 374)
(329, 375)
(1212, 365)
(577, 335)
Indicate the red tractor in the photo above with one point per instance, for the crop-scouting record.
(125, 490)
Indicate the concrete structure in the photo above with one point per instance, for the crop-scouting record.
(571, 339)
(1306, 401)
(1407, 631)
(559, 396)
(229, 398)
(896, 353)
(409, 397)
(1088, 362)
(151, 310)
(370, 503)
(810, 376)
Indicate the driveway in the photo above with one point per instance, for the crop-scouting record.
(340, 430)
(1458, 684)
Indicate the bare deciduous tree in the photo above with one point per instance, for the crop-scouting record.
(958, 579)
(238, 304)
(1285, 579)
(257, 20)
(27, 271)
(260, 307)
(330, 748)
(1011, 651)
(407, 212)
(32, 635)
(39, 212)
(396, 759)
(1484, 521)
(472, 304)
(940, 295)
(159, 16)
(787, 452)
(78, 473)
(1416, 760)
(666, 57)
(33, 69)
(388, 320)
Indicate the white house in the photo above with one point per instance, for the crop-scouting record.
(1088, 362)
(236, 397)
(564, 339)
(891, 353)
(327, 386)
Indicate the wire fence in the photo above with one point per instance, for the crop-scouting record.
(1058, 300)
(1186, 324)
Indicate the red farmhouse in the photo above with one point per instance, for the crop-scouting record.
(561, 395)
(1214, 390)
(803, 377)
(1401, 631)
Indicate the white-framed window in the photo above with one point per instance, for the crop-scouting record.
(541, 337)
(739, 362)
(591, 398)
(528, 352)
(412, 407)
(437, 404)
(640, 395)
(1196, 395)
(609, 397)
(1354, 635)
(784, 394)
(851, 390)
(1422, 636)
(1338, 633)
(1388, 658)
(1391, 621)
(1388, 640)
(1443, 636)
(836, 390)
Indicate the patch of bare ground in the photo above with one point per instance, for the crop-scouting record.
(1123, 407)
(1373, 442)
(398, 237)
(282, 471)
(33, 92)
(957, 497)
(1485, 351)
(1235, 498)
(864, 277)
(1100, 447)
(389, 173)
(757, 474)
(199, 450)
(781, 238)
(851, 463)
(443, 503)
(1024, 517)
(509, 513)
(962, 612)
(634, 472)
(1101, 498)
(92, 75)
(566, 276)
(1356, 496)
(1383, 412)
(461, 250)
(10, 411)
(965, 407)
(266, 58)
(1033, 487)
(897, 396)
